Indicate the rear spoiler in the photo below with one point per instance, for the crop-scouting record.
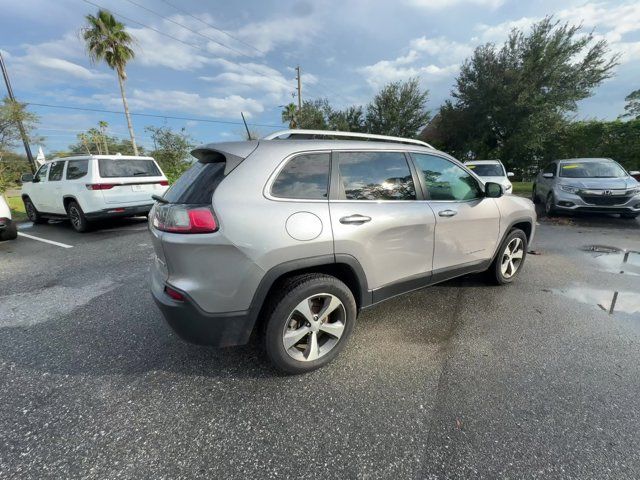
(232, 153)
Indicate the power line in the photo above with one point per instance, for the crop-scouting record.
(324, 91)
(99, 110)
(198, 47)
(215, 28)
(192, 45)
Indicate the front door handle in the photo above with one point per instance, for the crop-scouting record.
(355, 219)
(447, 213)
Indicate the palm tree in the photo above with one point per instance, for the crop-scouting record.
(102, 125)
(290, 114)
(107, 40)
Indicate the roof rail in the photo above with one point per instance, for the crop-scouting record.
(314, 134)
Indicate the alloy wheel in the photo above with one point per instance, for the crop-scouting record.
(314, 327)
(31, 211)
(512, 257)
(74, 216)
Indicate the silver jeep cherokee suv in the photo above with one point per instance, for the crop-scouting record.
(293, 236)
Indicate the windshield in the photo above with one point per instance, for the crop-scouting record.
(111, 168)
(603, 169)
(487, 170)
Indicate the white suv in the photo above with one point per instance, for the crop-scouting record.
(92, 187)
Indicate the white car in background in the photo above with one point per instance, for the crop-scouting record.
(492, 171)
(92, 187)
(8, 229)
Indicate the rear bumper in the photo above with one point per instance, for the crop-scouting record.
(119, 212)
(196, 326)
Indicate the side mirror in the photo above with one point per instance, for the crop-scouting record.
(510, 174)
(548, 175)
(493, 190)
(26, 178)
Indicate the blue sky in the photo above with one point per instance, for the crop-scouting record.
(347, 50)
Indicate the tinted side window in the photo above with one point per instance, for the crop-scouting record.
(55, 172)
(445, 180)
(77, 169)
(551, 168)
(41, 174)
(375, 176)
(305, 177)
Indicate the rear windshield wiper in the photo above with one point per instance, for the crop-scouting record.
(160, 199)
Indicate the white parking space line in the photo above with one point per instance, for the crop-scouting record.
(32, 237)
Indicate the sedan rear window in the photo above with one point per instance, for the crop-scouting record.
(111, 168)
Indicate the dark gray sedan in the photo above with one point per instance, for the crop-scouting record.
(587, 185)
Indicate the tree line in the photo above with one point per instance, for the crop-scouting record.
(513, 102)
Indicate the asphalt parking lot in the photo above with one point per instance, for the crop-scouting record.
(539, 379)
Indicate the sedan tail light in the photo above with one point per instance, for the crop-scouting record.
(181, 218)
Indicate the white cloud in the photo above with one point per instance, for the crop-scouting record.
(442, 48)
(268, 35)
(229, 106)
(499, 33)
(610, 22)
(431, 59)
(442, 4)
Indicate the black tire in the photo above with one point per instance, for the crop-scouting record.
(495, 270)
(534, 196)
(550, 206)
(9, 233)
(77, 218)
(32, 211)
(281, 313)
(629, 216)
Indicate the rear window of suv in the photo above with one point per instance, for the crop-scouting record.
(111, 168)
(304, 177)
(196, 185)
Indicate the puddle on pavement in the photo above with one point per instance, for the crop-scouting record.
(605, 300)
(615, 260)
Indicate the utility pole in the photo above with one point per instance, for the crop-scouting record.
(23, 134)
(299, 88)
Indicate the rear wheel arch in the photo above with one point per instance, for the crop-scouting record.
(67, 199)
(343, 267)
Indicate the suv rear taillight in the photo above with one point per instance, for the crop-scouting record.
(101, 186)
(181, 218)
(164, 183)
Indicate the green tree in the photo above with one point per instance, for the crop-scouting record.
(351, 119)
(509, 101)
(11, 164)
(399, 109)
(290, 115)
(12, 112)
(107, 40)
(632, 108)
(102, 126)
(313, 114)
(171, 150)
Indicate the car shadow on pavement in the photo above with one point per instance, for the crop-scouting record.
(120, 336)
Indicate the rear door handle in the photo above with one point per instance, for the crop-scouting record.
(355, 219)
(447, 213)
